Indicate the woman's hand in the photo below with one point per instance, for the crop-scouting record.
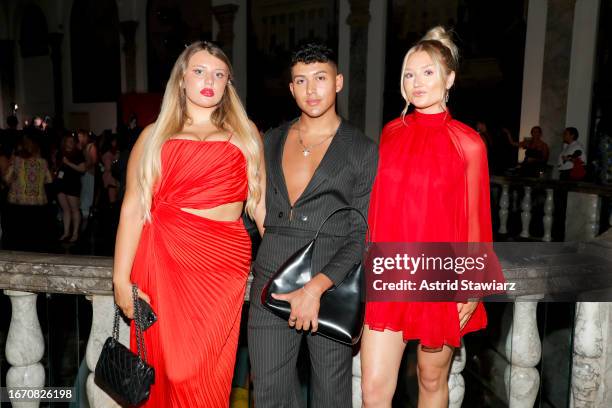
(305, 305)
(465, 312)
(124, 298)
(66, 161)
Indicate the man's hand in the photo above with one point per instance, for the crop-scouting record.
(304, 309)
(305, 303)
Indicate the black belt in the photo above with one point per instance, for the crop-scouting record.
(298, 233)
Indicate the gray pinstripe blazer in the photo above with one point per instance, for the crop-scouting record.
(344, 177)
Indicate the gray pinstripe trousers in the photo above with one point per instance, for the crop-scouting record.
(273, 350)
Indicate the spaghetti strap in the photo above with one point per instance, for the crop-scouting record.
(230, 136)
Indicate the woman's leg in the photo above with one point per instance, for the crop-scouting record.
(75, 210)
(432, 371)
(66, 214)
(381, 356)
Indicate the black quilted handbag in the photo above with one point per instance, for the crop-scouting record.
(342, 307)
(123, 375)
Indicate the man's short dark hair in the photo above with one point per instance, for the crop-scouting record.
(311, 52)
(572, 131)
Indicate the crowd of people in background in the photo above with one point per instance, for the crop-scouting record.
(60, 188)
(503, 153)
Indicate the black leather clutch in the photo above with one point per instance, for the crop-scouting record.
(342, 306)
(123, 375)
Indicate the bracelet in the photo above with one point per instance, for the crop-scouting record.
(309, 294)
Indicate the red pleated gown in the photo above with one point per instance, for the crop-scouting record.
(195, 271)
(432, 185)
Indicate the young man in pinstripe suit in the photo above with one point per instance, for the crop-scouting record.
(314, 164)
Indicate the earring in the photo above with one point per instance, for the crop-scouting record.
(446, 97)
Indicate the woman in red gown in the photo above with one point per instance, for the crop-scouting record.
(432, 186)
(181, 238)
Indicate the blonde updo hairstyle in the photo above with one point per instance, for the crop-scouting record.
(438, 44)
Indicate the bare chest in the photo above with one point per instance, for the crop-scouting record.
(298, 168)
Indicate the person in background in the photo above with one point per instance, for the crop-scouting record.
(27, 219)
(572, 159)
(68, 179)
(110, 154)
(536, 153)
(90, 152)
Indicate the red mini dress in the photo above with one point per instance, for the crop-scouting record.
(432, 185)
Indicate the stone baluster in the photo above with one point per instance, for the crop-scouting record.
(587, 356)
(456, 384)
(526, 212)
(101, 329)
(592, 226)
(549, 206)
(357, 381)
(504, 204)
(24, 345)
(523, 351)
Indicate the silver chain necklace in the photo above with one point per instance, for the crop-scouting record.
(307, 149)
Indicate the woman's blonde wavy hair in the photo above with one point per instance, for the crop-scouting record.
(229, 115)
(439, 45)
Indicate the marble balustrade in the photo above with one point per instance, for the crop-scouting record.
(24, 275)
(583, 207)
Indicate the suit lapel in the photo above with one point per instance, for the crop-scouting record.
(276, 161)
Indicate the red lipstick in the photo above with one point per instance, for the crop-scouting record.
(208, 92)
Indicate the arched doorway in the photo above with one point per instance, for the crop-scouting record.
(95, 53)
(34, 72)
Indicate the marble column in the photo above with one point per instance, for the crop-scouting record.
(358, 20)
(24, 345)
(128, 31)
(225, 14)
(588, 353)
(582, 222)
(582, 68)
(375, 86)
(7, 78)
(533, 68)
(238, 31)
(101, 329)
(523, 351)
(555, 80)
(55, 41)
(344, 56)
(456, 383)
